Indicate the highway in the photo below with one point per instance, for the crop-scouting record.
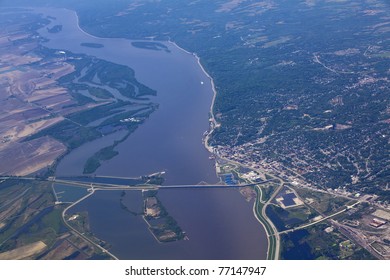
(358, 237)
(93, 187)
(320, 220)
(81, 235)
(107, 186)
(258, 210)
(275, 233)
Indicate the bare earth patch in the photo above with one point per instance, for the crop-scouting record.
(28, 157)
(24, 252)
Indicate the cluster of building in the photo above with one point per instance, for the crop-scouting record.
(376, 223)
(248, 155)
(131, 120)
(253, 176)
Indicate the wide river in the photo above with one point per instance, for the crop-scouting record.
(220, 223)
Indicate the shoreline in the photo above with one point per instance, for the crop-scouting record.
(212, 119)
(80, 234)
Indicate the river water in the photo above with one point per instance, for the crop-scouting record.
(170, 140)
(219, 222)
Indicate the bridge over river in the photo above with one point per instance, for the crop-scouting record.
(109, 186)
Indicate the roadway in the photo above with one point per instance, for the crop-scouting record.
(258, 207)
(275, 233)
(81, 235)
(358, 237)
(320, 220)
(107, 186)
(92, 187)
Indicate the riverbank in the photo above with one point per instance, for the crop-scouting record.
(214, 124)
(82, 234)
